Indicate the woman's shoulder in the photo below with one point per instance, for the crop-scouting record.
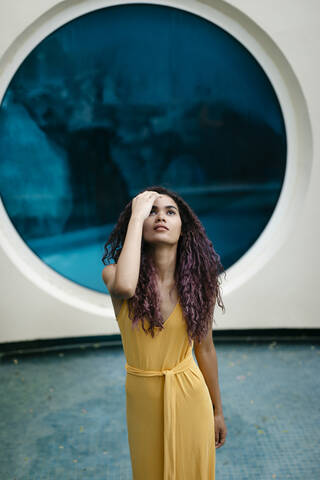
(108, 275)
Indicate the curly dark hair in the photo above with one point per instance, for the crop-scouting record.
(197, 272)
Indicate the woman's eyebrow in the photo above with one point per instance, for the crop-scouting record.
(167, 206)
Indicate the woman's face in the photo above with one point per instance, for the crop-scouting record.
(164, 212)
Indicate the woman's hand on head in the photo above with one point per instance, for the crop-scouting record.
(142, 204)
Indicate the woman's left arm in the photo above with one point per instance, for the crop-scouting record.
(206, 356)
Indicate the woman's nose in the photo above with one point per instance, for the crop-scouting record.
(160, 216)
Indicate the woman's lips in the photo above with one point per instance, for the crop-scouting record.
(161, 228)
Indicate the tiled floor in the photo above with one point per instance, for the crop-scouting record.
(62, 414)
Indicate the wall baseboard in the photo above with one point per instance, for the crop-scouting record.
(289, 335)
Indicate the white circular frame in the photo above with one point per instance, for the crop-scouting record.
(296, 118)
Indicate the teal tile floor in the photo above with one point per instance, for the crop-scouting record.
(62, 413)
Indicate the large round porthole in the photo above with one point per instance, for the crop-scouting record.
(125, 97)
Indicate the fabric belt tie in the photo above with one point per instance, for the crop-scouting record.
(169, 408)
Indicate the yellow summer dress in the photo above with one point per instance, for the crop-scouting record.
(170, 418)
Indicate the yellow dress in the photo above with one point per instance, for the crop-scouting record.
(170, 418)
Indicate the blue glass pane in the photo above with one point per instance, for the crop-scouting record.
(130, 96)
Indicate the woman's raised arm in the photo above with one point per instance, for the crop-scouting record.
(122, 279)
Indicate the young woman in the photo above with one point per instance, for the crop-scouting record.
(164, 285)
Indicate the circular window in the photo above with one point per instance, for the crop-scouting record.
(129, 96)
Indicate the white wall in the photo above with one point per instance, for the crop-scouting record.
(275, 284)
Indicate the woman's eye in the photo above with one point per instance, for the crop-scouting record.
(169, 211)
